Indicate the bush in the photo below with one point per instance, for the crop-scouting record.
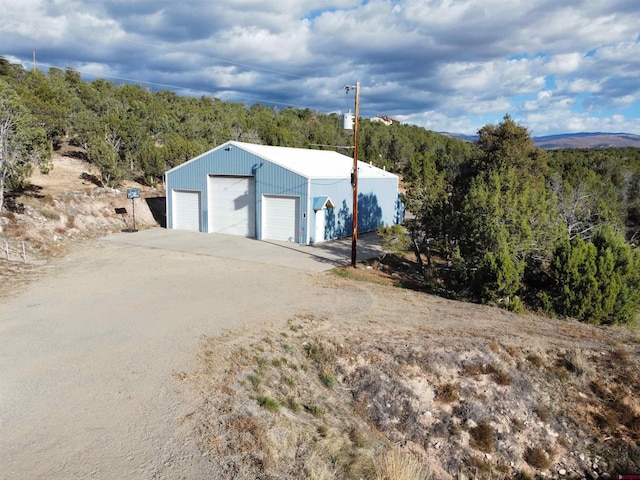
(537, 458)
(269, 403)
(483, 437)
(400, 466)
(498, 276)
(597, 281)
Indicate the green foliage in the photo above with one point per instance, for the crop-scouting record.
(327, 378)
(495, 212)
(393, 238)
(269, 403)
(106, 158)
(151, 162)
(597, 281)
(498, 275)
(23, 142)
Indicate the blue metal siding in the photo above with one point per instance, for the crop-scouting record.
(270, 179)
(377, 204)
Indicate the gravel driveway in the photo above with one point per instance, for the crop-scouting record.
(88, 352)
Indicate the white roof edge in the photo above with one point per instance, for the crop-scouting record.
(269, 153)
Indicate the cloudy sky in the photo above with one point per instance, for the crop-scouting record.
(556, 66)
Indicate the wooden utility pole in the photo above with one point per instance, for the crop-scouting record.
(354, 232)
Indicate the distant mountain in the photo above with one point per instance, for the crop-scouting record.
(574, 140)
(461, 136)
(588, 140)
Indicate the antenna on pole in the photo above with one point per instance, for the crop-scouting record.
(354, 175)
(34, 61)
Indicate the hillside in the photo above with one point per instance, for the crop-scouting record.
(588, 140)
(69, 204)
(382, 382)
(420, 388)
(575, 140)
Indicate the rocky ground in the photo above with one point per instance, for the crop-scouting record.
(61, 208)
(439, 390)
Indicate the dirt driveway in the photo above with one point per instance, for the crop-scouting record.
(88, 353)
(316, 258)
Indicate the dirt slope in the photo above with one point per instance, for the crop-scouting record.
(62, 208)
(69, 204)
(466, 391)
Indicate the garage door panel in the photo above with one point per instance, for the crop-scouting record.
(232, 205)
(281, 218)
(186, 210)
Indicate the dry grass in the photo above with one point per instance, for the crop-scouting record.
(448, 393)
(483, 437)
(398, 465)
(392, 386)
(538, 458)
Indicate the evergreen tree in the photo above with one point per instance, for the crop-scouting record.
(597, 281)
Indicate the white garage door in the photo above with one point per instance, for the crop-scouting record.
(186, 210)
(232, 205)
(280, 218)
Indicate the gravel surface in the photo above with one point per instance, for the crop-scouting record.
(88, 355)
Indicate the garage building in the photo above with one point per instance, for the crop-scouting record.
(278, 193)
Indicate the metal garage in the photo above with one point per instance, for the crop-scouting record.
(277, 193)
(232, 205)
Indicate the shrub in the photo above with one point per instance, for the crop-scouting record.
(537, 458)
(292, 405)
(394, 238)
(269, 404)
(358, 438)
(597, 281)
(255, 380)
(502, 378)
(542, 413)
(400, 466)
(483, 437)
(499, 276)
(448, 393)
(49, 213)
(315, 410)
(535, 360)
(327, 379)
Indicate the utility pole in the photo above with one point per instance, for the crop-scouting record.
(354, 176)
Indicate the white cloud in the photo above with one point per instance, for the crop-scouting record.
(564, 63)
(444, 64)
(583, 85)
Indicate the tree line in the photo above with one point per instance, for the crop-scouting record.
(500, 221)
(521, 227)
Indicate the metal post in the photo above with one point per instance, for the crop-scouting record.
(354, 232)
(133, 209)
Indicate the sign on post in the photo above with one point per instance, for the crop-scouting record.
(133, 193)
